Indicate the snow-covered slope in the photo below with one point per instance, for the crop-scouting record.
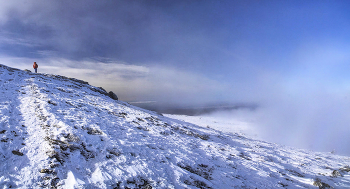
(58, 132)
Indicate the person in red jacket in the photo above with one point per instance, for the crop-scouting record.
(35, 66)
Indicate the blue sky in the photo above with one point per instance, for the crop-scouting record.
(291, 57)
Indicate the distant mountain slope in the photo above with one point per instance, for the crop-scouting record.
(58, 132)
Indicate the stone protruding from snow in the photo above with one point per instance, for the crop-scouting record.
(112, 95)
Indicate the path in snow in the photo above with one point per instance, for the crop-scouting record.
(58, 132)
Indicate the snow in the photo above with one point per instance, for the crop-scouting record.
(58, 132)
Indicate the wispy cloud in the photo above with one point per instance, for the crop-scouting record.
(8, 39)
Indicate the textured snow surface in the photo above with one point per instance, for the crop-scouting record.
(58, 132)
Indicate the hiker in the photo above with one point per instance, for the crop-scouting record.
(35, 66)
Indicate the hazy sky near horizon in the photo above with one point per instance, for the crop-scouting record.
(291, 56)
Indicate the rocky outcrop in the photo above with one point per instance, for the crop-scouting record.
(112, 95)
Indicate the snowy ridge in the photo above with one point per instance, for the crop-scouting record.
(58, 132)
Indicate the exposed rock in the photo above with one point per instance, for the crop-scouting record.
(78, 80)
(99, 90)
(318, 182)
(46, 171)
(102, 89)
(346, 168)
(336, 174)
(50, 102)
(112, 95)
(17, 153)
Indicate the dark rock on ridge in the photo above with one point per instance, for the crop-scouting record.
(112, 95)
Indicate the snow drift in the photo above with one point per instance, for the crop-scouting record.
(59, 132)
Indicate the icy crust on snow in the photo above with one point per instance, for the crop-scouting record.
(63, 133)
